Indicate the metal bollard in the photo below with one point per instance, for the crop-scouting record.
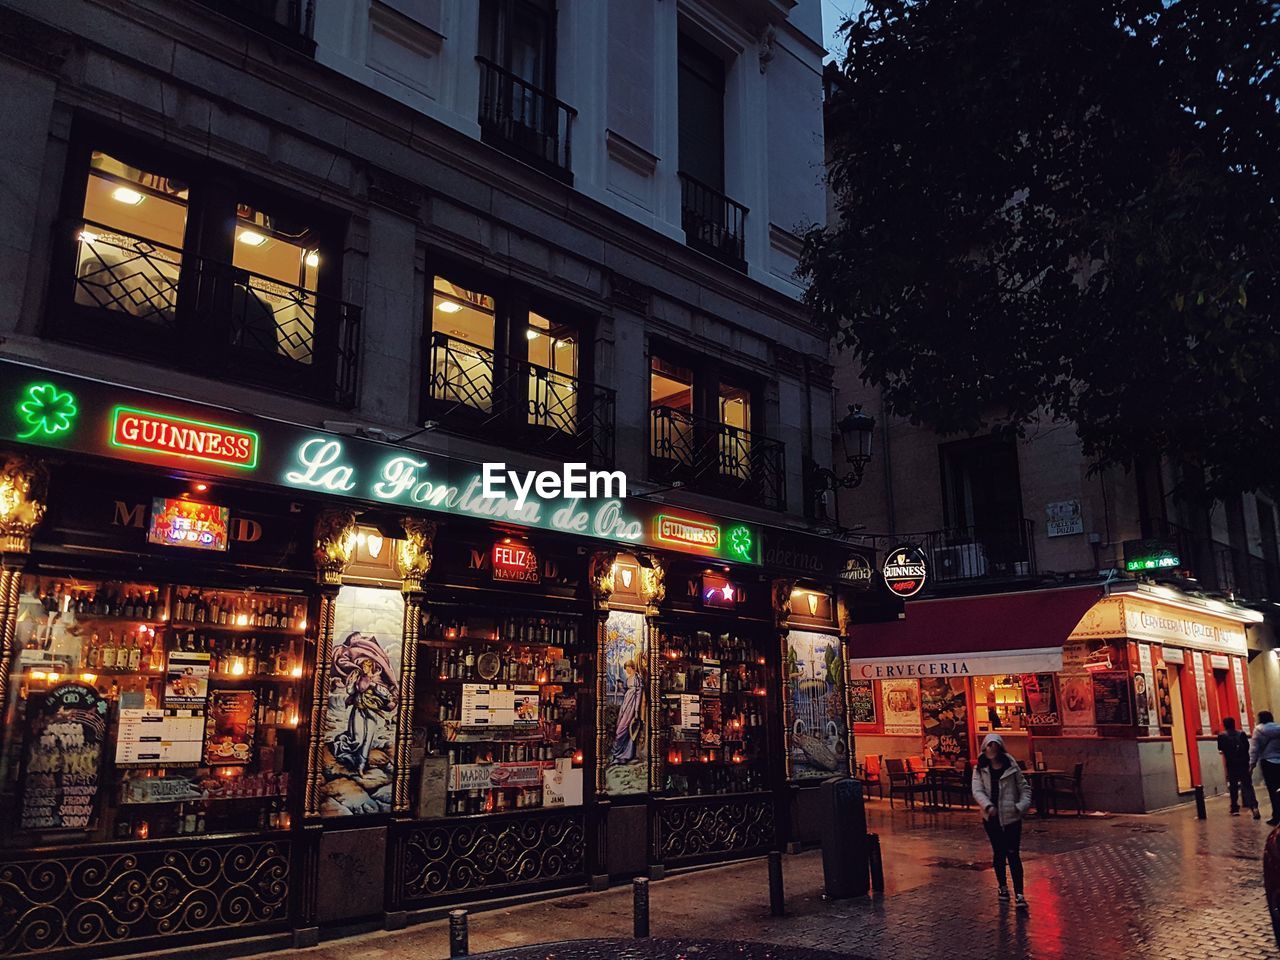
(640, 907)
(458, 946)
(876, 862)
(777, 905)
(1201, 813)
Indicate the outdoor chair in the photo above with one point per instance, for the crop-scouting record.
(1070, 789)
(872, 774)
(904, 782)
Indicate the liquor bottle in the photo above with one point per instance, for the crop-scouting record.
(200, 820)
(470, 663)
(188, 818)
(109, 652)
(251, 663)
(150, 609)
(135, 654)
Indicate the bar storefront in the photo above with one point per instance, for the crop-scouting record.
(260, 680)
(1130, 684)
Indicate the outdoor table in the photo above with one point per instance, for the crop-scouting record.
(936, 778)
(1040, 795)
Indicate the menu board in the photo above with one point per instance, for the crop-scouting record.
(1112, 705)
(1040, 692)
(945, 711)
(160, 737)
(62, 756)
(862, 700)
(1202, 693)
(229, 727)
(485, 705)
(1238, 669)
(186, 682)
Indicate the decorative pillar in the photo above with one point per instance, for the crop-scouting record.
(24, 484)
(600, 577)
(414, 562)
(335, 542)
(653, 590)
(781, 621)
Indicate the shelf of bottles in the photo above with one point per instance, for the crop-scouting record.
(497, 710)
(202, 691)
(712, 726)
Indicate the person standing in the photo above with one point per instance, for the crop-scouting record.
(1234, 747)
(1004, 797)
(1264, 751)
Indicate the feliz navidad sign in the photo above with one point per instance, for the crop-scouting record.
(78, 415)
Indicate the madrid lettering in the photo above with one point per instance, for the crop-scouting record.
(320, 464)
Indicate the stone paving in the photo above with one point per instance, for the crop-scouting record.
(1164, 887)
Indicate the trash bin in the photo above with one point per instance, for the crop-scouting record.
(844, 839)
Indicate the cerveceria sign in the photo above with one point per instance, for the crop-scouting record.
(905, 570)
(78, 415)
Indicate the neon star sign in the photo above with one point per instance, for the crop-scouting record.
(46, 411)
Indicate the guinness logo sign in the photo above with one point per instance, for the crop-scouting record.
(856, 572)
(905, 570)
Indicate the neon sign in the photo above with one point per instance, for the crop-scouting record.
(689, 533)
(1143, 555)
(180, 437)
(185, 523)
(515, 562)
(741, 543)
(46, 410)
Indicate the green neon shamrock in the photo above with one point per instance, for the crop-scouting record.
(46, 410)
(740, 542)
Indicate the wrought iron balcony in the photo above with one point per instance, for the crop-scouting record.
(712, 222)
(990, 551)
(1223, 567)
(285, 21)
(473, 390)
(716, 458)
(526, 122)
(142, 298)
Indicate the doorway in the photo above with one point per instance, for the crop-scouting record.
(1181, 751)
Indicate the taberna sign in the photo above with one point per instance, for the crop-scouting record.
(857, 572)
(905, 571)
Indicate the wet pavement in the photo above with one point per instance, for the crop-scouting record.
(1163, 887)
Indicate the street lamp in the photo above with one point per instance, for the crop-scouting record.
(856, 431)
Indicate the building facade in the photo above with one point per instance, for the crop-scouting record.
(279, 277)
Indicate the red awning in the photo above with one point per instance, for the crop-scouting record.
(997, 622)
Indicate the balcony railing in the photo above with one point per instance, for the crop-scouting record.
(712, 222)
(992, 551)
(526, 122)
(135, 296)
(473, 390)
(716, 458)
(1220, 566)
(286, 21)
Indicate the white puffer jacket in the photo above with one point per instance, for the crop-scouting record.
(1015, 791)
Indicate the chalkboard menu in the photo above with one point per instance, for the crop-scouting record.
(862, 700)
(1112, 704)
(62, 755)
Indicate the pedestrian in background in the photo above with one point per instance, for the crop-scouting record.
(1234, 747)
(1264, 751)
(1004, 797)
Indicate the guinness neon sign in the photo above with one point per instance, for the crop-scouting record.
(180, 437)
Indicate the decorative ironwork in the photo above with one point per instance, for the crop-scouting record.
(996, 550)
(710, 826)
(717, 457)
(525, 121)
(253, 327)
(52, 903)
(712, 222)
(443, 858)
(477, 391)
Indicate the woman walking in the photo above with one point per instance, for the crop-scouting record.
(1004, 797)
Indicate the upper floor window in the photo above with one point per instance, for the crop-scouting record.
(520, 37)
(982, 503)
(183, 262)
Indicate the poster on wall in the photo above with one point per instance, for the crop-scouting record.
(1202, 692)
(186, 682)
(626, 656)
(230, 719)
(1144, 691)
(817, 740)
(1111, 700)
(1039, 691)
(945, 715)
(62, 755)
(1237, 668)
(1075, 691)
(862, 700)
(901, 700)
(359, 732)
(1164, 702)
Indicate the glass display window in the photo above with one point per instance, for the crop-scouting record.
(497, 723)
(146, 710)
(713, 724)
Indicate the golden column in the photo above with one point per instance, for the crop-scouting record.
(414, 562)
(653, 590)
(600, 576)
(23, 488)
(335, 542)
(782, 590)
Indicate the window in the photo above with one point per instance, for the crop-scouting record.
(553, 367)
(735, 430)
(519, 36)
(462, 322)
(701, 113)
(179, 260)
(982, 504)
(671, 411)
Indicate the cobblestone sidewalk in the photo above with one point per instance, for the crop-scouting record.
(1164, 887)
